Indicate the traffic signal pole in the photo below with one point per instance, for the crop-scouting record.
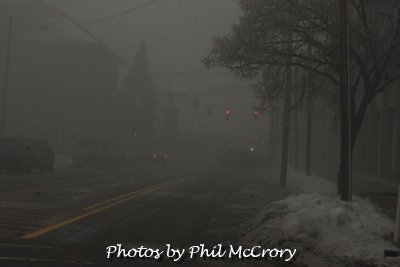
(3, 117)
(345, 172)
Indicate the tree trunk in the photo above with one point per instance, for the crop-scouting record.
(285, 138)
(397, 225)
(356, 122)
(272, 138)
(296, 138)
(395, 151)
(310, 105)
(286, 117)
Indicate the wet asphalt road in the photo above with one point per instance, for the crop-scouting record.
(70, 217)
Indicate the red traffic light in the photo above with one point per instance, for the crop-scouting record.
(227, 113)
(256, 114)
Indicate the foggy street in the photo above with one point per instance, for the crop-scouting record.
(200, 133)
(78, 213)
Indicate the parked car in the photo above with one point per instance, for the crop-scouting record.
(23, 155)
(13, 154)
(90, 152)
(42, 154)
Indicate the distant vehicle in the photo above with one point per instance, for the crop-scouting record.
(243, 158)
(156, 157)
(90, 152)
(42, 154)
(23, 155)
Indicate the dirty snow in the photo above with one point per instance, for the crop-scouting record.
(324, 228)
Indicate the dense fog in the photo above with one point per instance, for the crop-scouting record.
(199, 132)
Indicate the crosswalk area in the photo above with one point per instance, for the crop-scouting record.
(51, 220)
(34, 212)
(27, 214)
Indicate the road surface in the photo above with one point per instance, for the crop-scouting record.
(69, 218)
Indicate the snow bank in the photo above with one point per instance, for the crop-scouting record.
(322, 226)
(339, 228)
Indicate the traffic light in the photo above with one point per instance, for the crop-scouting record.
(256, 114)
(227, 113)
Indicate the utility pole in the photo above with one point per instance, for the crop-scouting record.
(6, 81)
(344, 179)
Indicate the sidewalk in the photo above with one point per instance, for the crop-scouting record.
(237, 217)
(381, 191)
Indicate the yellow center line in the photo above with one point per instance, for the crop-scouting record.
(95, 210)
(123, 196)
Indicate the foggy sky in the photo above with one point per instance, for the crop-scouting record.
(177, 34)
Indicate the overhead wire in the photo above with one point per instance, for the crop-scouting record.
(133, 9)
(101, 20)
(119, 14)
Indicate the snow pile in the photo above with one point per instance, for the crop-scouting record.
(322, 226)
(339, 228)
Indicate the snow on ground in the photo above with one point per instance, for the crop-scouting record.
(325, 230)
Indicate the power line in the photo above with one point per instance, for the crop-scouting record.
(222, 90)
(111, 17)
(120, 14)
(205, 85)
(210, 90)
(188, 73)
(226, 93)
(199, 93)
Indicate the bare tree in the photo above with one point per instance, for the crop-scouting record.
(258, 41)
